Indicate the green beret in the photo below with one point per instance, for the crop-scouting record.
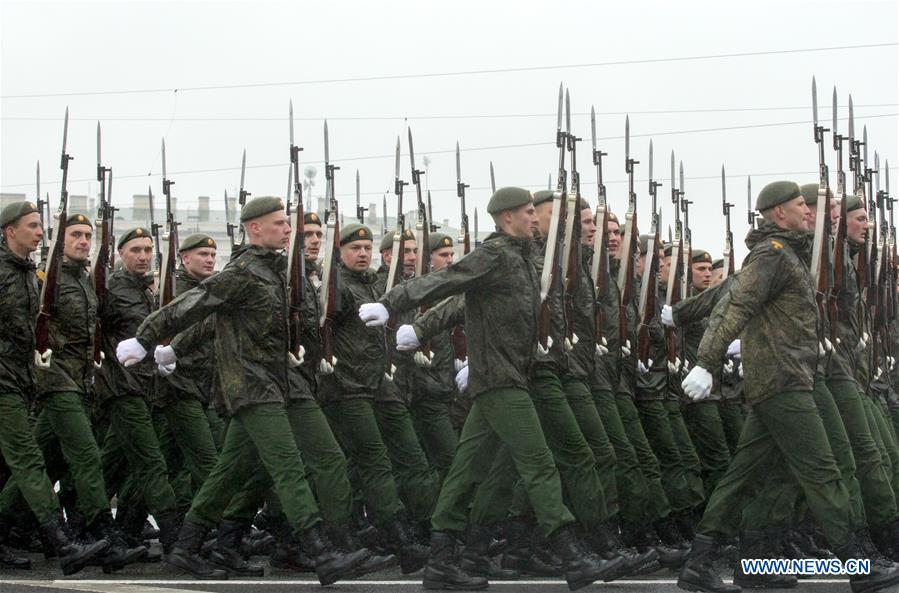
(775, 194)
(666, 249)
(440, 240)
(78, 219)
(508, 198)
(544, 195)
(135, 233)
(644, 243)
(260, 207)
(584, 204)
(312, 218)
(700, 256)
(15, 211)
(718, 263)
(612, 218)
(810, 193)
(387, 239)
(196, 241)
(853, 202)
(354, 232)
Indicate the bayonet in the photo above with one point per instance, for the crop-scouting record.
(296, 257)
(465, 238)
(476, 242)
(492, 179)
(360, 211)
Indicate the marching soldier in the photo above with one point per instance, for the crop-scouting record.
(20, 224)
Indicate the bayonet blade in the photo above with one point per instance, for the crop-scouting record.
(559, 113)
(358, 192)
(650, 160)
(814, 102)
(397, 160)
(327, 149)
(723, 187)
(833, 109)
(99, 159)
(549, 182)
(458, 164)
(492, 178)
(164, 176)
(886, 176)
(865, 146)
(290, 117)
(593, 126)
(289, 184)
(682, 175)
(673, 185)
(243, 167)
(876, 172)
(627, 137)
(851, 120)
(411, 150)
(567, 112)
(65, 131)
(38, 194)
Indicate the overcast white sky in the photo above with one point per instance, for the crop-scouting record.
(71, 47)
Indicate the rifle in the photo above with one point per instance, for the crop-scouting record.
(492, 180)
(729, 264)
(687, 280)
(328, 295)
(629, 243)
(840, 249)
(423, 227)
(476, 242)
(360, 211)
(433, 227)
(572, 235)
(399, 233)
(229, 226)
(50, 287)
(166, 289)
(42, 254)
(821, 267)
(241, 193)
(649, 287)
(599, 267)
(557, 219)
(103, 261)
(296, 259)
(154, 232)
(750, 211)
(457, 335)
(674, 288)
(384, 214)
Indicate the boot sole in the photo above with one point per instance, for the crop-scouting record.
(26, 565)
(600, 575)
(332, 577)
(877, 586)
(90, 554)
(688, 586)
(443, 586)
(214, 575)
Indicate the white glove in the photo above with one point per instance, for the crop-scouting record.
(828, 346)
(326, 367)
(698, 384)
(740, 370)
(862, 342)
(42, 361)
(388, 374)
(406, 338)
(165, 370)
(626, 349)
(667, 316)
(422, 359)
(295, 360)
(97, 365)
(601, 348)
(892, 362)
(462, 380)
(569, 344)
(734, 348)
(674, 367)
(728, 366)
(164, 355)
(878, 373)
(549, 344)
(373, 314)
(460, 364)
(130, 352)
(644, 368)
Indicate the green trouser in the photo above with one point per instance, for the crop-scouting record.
(190, 432)
(178, 474)
(707, 432)
(688, 456)
(430, 417)
(418, 483)
(732, 418)
(629, 481)
(581, 402)
(354, 425)
(573, 456)
(23, 456)
(131, 439)
(784, 429)
(877, 491)
(63, 433)
(894, 418)
(656, 426)
(502, 416)
(657, 505)
(259, 436)
(491, 503)
(324, 460)
(885, 440)
(216, 427)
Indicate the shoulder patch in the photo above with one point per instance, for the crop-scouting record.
(242, 263)
(777, 244)
(41, 274)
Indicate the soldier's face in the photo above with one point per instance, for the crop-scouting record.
(136, 255)
(810, 219)
(312, 240)
(24, 236)
(857, 225)
(588, 227)
(410, 257)
(640, 264)
(521, 222)
(386, 257)
(544, 217)
(356, 255)
(716, 276)
(834, 215)
(702, 275)
(271, 231)
(440, 258)
(613, 232)
(664, 267)
(77, 245)
(793, 215)
(199, 262)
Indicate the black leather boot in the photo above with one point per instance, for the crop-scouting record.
(120, 552)
(581, 566)
(331, 564)
(604, 541)
(7, 558)
(169, 529)
(522, 554)
(413, 554)
(287, 555)
(185, 553)
(673, 549)
(441, 571)
(476, 559)
(698, 573)
(73, 555)
(347, 542)
(225, 552)
(755, 544)
(883, 573)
